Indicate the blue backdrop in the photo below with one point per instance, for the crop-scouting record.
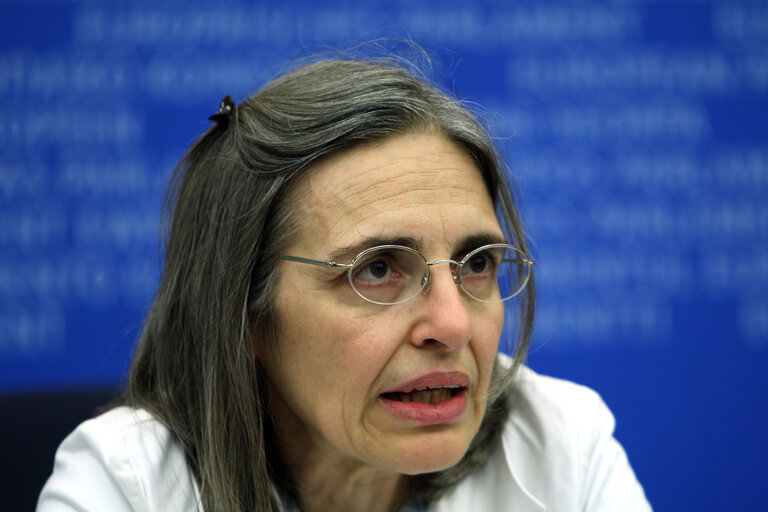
(637, 131)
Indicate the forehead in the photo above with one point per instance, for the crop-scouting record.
(417, 184)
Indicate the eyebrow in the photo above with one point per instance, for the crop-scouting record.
(468, 243)
(472, 242)
(348, 253)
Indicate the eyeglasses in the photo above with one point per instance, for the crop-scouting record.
(392, 274)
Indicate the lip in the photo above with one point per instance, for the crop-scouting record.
(446, 411)
(433, 380)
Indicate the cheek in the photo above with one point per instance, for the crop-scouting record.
(486, 337)
(326, 352)
(328, 368)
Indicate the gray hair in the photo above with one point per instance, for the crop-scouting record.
(230, 212)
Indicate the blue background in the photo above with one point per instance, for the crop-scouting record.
(637, 131)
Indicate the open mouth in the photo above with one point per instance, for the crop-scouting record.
(426, 395)
(433, 398)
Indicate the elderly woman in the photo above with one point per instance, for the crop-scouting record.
(325, 336)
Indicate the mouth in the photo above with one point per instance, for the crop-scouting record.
(425, 395)
(431, 399)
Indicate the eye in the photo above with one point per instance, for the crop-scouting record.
(478, 264)
(379, 268)
(375, 270)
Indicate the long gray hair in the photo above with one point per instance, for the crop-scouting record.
(229, 213)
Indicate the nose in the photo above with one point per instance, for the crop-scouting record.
(443, 321)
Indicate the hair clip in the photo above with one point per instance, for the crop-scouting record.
(225, 109)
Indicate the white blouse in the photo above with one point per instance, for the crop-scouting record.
(557, 453)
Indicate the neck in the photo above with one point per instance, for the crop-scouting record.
(327, 486)
(329, 480)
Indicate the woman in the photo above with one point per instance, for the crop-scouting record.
(326, 330)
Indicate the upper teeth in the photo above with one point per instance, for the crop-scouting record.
(437, 387)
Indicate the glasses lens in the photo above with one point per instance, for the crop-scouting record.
(388, 275)
(494, 273)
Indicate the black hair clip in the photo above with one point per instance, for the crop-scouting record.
(225, 109)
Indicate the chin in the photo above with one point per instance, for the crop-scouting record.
(430, 456)
(431, 466)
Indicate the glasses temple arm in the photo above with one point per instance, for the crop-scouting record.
(314, 262)
(520, 260)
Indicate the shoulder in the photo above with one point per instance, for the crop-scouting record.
(124, 459)
(554, 417)
(557, 452)
(547, 409)
(541, 395)
(559, 445)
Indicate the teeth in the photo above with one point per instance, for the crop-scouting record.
(425, 395)
(441, 387)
